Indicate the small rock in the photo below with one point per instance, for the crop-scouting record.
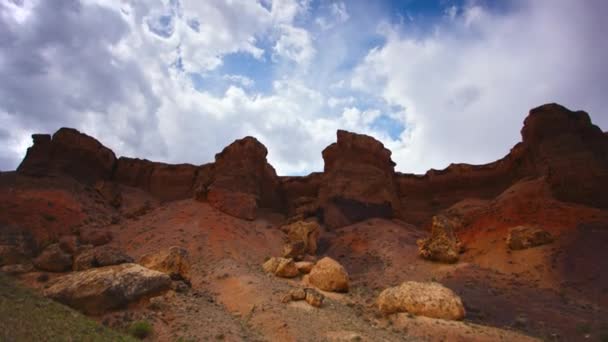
(174, 261)
(281, 267)
(304, 267)
(314, 298)
(443, 245)
(523, 237)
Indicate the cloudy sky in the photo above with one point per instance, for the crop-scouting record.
(177, 80)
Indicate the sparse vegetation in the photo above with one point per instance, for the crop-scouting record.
(25, 316)
(140, 329)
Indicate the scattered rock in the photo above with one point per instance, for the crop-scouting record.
(97, 290)
(53, 259)
(304, 267)
(329, 275)
(99, 257)
(302, 239)
(281, 267)
(428, 299)
(311, 296)
(443, 245)
(174, 261)
(523, 237)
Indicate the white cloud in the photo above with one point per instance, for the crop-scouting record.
(295, 44)
(240, 79)
(466, 87)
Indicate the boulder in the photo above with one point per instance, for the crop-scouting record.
(443, 245)
(523, 237)
(302, 237)
(281, 267)
(358, 182)
(174, 261)
(428, 299)
(242, 180)
(97, 290)
(329, 275)
(53, 259)
(99, 257)
(68, 152)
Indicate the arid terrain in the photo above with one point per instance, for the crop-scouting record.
(515, 250)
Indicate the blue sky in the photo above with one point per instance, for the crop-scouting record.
(177, 80)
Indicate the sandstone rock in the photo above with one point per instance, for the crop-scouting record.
(302, 239)
(358, 182)
(53, 259)
(164, 181)
(523, 237)
(314, 298)
(99, 257)
(311, 296)
(294, 295)
(428, 299)
(329, 275)
(97, 290)
(281, 267)
(242, 180)
(71, 153)
(443, 245)
(17, 269)
(174, 261)
(95, 237)
(304, 267)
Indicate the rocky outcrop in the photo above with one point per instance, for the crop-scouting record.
(68, 152)
(281, 267)
(443, 245)
(99, 257)
(301, 195)
(329, 275)
(97, 290)
(174, 261)
(428, 299)
(242, 180)
(302, 239)
(53, 259)
(523, 237)
(164, 181)
(358, 182)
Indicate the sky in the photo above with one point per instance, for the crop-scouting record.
(177, 80)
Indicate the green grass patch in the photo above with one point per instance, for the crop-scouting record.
(140, 329)
(27, 316)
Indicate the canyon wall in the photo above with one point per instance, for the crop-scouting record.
(358, 181)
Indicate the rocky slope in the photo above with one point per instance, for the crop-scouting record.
(73, 204)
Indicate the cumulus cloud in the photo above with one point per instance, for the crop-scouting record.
(466, 87)
(128, 72)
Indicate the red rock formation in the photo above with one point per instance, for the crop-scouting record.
(242, 180)
(166, 182)
(358, 182)
(68, 152)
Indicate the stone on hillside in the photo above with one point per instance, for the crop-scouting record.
(95, 237)
(302, 239)
(304, 267)
(97, 290)
(99, 257)
(428, 299)
(281, 267)
(443, 245)
(523, 237)
(174, 261)
(53, 259)
(329, 275)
